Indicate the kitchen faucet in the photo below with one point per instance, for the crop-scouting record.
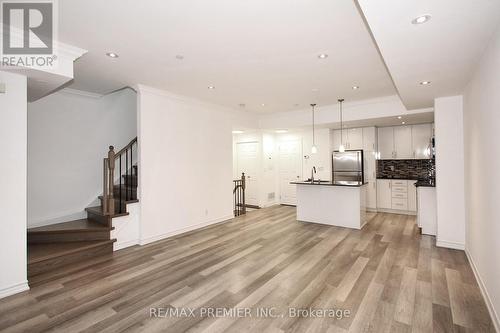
(313, 171)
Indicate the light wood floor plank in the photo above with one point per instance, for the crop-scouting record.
(388, 276)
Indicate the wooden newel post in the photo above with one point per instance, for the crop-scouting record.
(111, 180)
(243, 190)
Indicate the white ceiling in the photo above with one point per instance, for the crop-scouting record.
(445, 50)
(253, 52)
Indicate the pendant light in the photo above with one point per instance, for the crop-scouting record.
(314, 149)
(341, 147)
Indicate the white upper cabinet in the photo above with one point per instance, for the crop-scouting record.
(386, 143)
(336, 139)
(421, 136)
(369, 139)
(402, 142)
(354, 138)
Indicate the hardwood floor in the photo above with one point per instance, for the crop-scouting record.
(390, 279)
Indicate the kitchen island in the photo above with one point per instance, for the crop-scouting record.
(341, 203)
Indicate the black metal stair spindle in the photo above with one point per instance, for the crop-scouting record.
(131, 173)
(120, 165)
(126, 174)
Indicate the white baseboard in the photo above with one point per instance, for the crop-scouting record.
(118, 246)
(450, 245)
(17, 288)
(493, 314)
(152, 239)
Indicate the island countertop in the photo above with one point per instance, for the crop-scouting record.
(330, 183)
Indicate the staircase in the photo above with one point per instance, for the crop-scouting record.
(58, 249)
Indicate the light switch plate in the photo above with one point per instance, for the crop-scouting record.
(2, 88)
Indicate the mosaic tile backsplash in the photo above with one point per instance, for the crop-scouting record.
(406, 169)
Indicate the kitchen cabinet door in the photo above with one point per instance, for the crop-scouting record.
(384, 194)
(421, 137)
(354, 138)
(369, 164)
(412, 196)
(402, 142)
(369, 139)
(336, 139)
(371, 194)
(386, 142)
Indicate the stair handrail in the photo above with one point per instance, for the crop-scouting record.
(240, 207)
(109, 163)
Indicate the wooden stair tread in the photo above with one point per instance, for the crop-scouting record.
(97, 210)
(126, 201)
(46, 251)
(81, 225)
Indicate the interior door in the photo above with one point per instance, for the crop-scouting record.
(290, 169)
(247, 162)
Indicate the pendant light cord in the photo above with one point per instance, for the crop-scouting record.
(341, 121)
(313, 105)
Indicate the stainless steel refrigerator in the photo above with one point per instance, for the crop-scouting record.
(348, 166)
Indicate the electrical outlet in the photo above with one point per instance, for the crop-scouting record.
(2, 88)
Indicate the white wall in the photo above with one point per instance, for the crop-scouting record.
(448, 115)
(13, 169)
(68, 136)
(185, 149)
(482, 166)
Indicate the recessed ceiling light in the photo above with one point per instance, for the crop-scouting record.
(238, 132)
(323, 56)
(112, 55)
(355, 87)
(314, 89)
(281, 131)
(211, 87)
(424, 83)
(403, 122)
(421, 19)
(263, 104)
(399, 117)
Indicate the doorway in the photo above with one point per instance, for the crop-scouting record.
(247, 161)
(290, 169)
